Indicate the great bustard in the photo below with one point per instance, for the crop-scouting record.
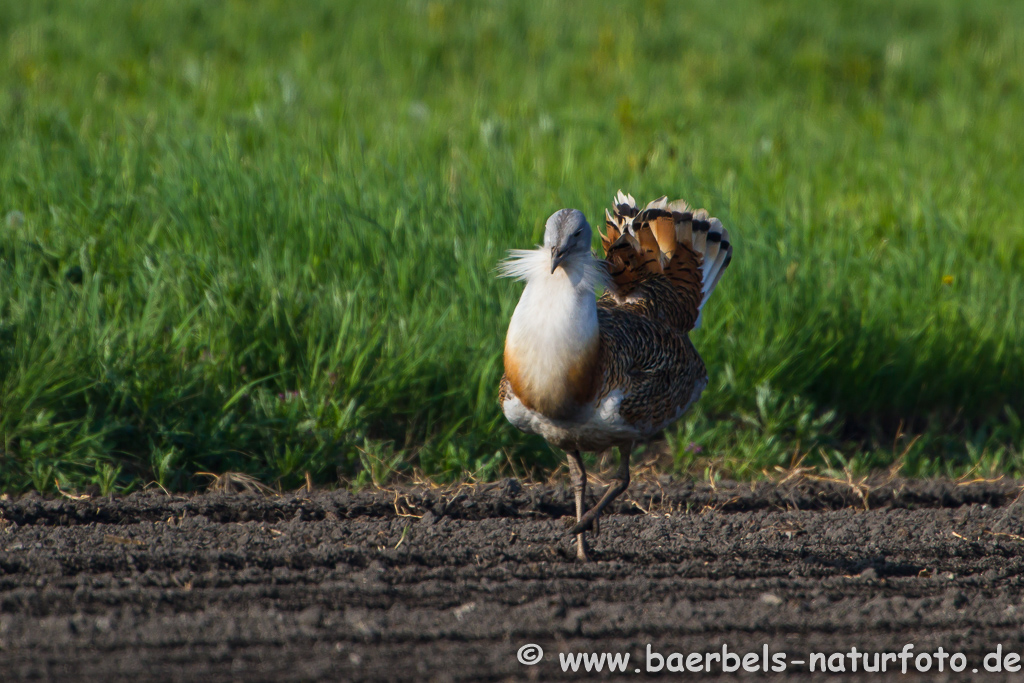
(590, 374)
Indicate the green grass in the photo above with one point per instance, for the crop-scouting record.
(261, 236)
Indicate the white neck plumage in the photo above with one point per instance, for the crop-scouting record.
(553, 339)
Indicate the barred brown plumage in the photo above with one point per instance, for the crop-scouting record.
(590, 374)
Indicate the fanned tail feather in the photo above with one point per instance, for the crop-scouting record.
(689, 248)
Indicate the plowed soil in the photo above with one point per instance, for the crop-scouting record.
(449, 584)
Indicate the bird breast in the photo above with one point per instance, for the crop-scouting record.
(553, 345)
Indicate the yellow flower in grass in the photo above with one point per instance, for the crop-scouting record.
(947, 279)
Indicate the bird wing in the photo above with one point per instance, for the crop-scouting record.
(664, 260)
(654, 369)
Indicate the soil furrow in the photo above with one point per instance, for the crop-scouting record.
(236, 587)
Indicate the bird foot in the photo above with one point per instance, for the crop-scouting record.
(586, 523)
(581, 549)
(589, 520)
(572, 525)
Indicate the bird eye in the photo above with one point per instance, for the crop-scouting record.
(578, 233)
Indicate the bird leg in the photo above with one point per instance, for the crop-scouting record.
(621, 483)
(578, 476)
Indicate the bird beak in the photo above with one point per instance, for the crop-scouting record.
(557, 256)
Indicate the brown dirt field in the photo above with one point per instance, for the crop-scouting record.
(448, 584)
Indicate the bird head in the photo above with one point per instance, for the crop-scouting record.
(567, 234)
